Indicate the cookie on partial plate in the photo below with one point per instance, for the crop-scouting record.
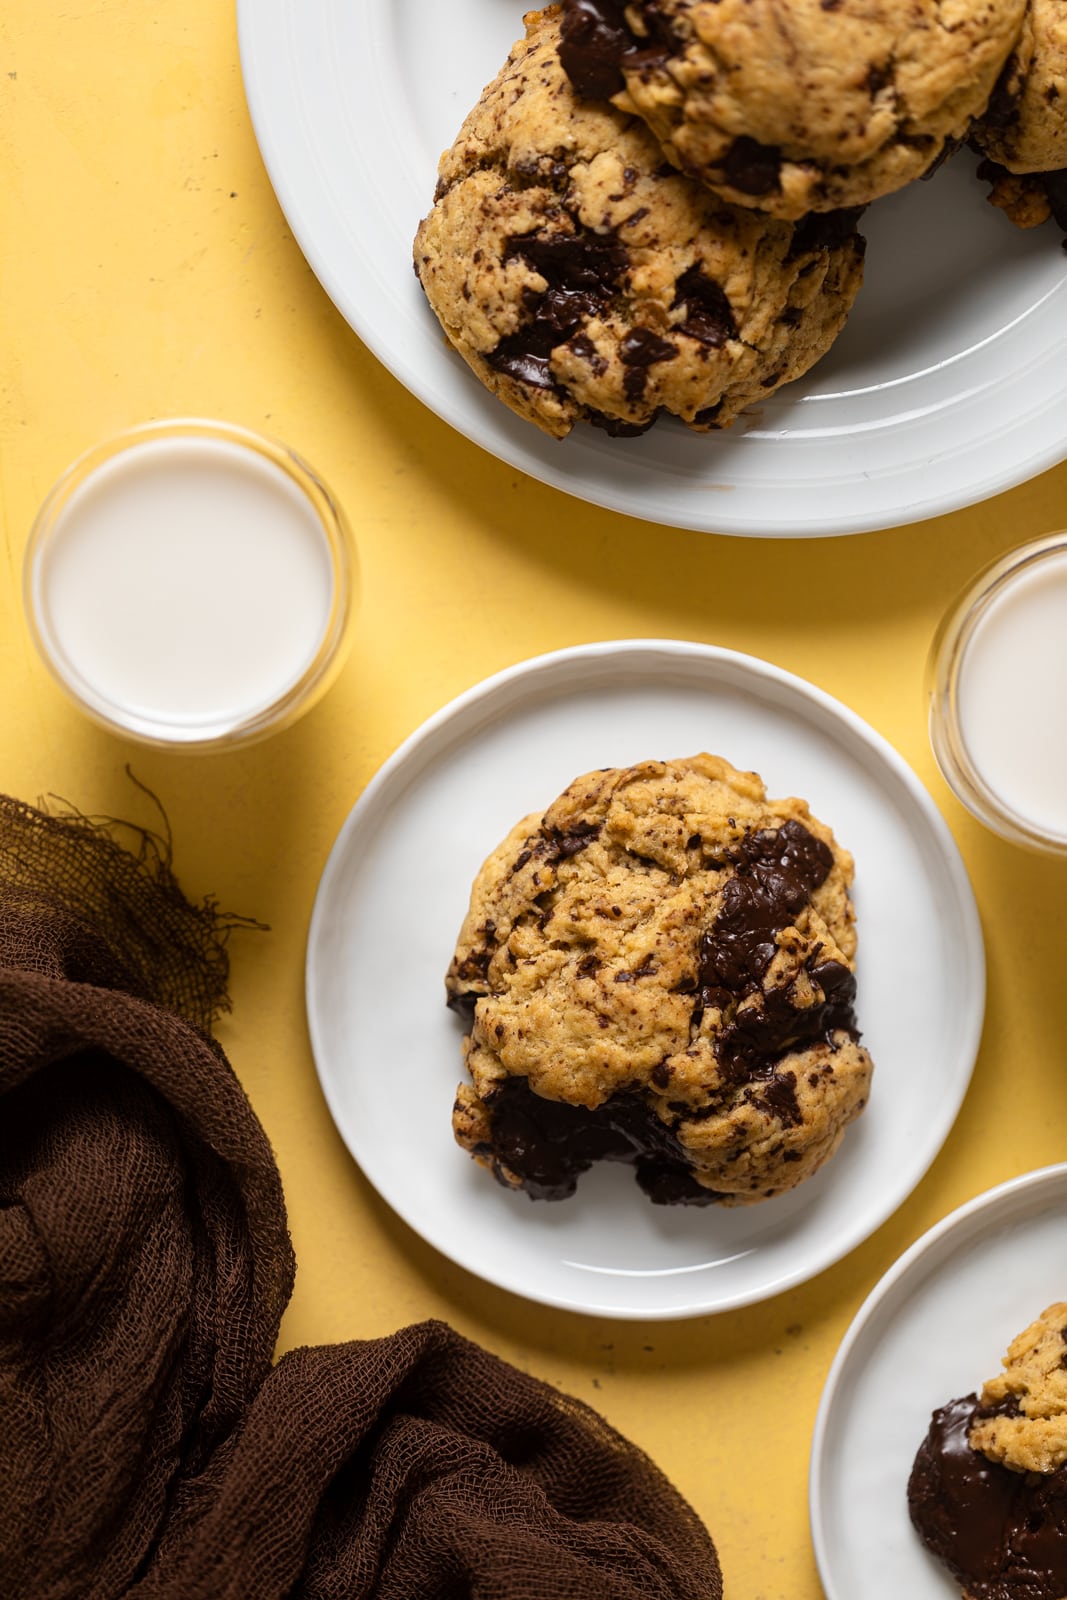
(1023, 133)
(795, 105)
(659, 970)
(583, 279)
(1027, 1427)
(988, 1490)
(1024, 127)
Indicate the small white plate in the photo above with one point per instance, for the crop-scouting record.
(948, 385)
(935, 1328)
(394, 893)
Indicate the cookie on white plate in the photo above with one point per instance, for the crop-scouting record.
(659, 970)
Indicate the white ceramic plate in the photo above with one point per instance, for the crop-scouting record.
(934, 1329)
(395, 891)
(948, 385)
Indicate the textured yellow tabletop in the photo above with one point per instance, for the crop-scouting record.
(146, 271)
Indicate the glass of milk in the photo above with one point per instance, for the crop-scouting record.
(997, 680)
(190, 584)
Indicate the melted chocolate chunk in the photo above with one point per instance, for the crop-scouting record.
(475, 971)
(760, 1035)
(594, 41)
(639, 349)
(752, 167)
(549, 1144)
(1004, 101)
(584, 347)
(525, 356)
(597, 45)
(647, 969)
(542, 170)
(668, 1183)
(582, 271)
(592, 262)
(618, 427)
(708, 315)
(777, 872)
(1002, 1534)
(779, 1097)
(827, 230)
(463, 1004)
(565, 843)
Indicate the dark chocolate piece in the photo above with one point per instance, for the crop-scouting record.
(777, 872)
(549, 1145)
(1003, 106)
(752, 167)
(827, 230)
(618, 427)
(582, 271)
(563, 845)
(639, 350)
(597, 45)
(708, 314)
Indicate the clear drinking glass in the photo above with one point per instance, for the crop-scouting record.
(997, 684)
(191, 584)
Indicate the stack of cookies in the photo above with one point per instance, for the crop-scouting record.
(653, 207)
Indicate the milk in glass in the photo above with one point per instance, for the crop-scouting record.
(997, 680)
(184, 586)
(1012, 694)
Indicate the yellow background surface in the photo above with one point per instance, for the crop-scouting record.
(146, 271)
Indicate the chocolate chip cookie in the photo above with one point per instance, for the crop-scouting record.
(1023, 132)
(795, 105)
(988, 1490)
(1024, 127)
(659, 970)
(583, 279)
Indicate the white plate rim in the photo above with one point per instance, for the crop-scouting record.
(1001, 1196)
(497, 685)
(978, 472)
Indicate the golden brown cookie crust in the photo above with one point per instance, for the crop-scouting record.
(797, 105)
(1035, 1378)
(613, 948)
(582, 280)
(1021, 196)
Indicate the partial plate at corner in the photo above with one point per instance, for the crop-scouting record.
(948, 385)
(934, 1329)
(395, 890)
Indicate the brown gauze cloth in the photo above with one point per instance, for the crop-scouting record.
(148, 1446)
